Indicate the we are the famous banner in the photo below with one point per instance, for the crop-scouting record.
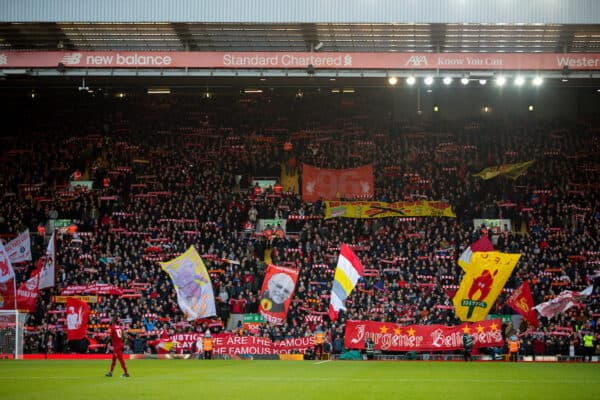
(232, 344)
(379, 209)
(393, 337)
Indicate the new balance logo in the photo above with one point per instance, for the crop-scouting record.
(71, 59)
(3, 59)
(416, 61)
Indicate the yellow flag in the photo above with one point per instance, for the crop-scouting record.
(512, 171)
(485, 276)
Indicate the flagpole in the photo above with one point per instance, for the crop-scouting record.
(15, 290)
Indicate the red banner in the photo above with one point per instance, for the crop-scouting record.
(231, 344)
(78, 313)
(334, 184)
(28, 292)
(521, 301)
(291, 60)
(276, 293)
(394, 337)
(94, 288)
(7, 295)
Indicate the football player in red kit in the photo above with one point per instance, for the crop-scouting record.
(116, 339)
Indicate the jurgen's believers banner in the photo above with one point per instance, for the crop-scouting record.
(394, 337)
(291, 60)
(378, 209)
(331, 184)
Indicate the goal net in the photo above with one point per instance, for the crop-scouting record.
(11, 334)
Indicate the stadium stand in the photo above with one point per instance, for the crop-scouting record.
(129, 179)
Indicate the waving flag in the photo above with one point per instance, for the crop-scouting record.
(29, 291)
(7, 281)
(485, 276)
(349, 269)
(561, 303)
(192, 283)
(6, 269)
(277, 292)
(512, 171)
(48, 266)
(482, 244)
(19, 249)
(78, 313)
(521, 301)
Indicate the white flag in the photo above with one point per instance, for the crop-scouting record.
(6, 269)
(561, 303)
(19, 249)
(48, 266)
(192, 284)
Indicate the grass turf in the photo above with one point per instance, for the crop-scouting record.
(219, 379)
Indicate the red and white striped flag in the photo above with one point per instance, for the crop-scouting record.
(349, 270)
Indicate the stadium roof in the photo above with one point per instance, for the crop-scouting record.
(335, 37)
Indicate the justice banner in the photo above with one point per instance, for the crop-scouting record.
(378, 209)
(388, 336)
(230, 344)
(328, 184)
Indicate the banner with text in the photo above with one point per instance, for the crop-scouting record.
(388, 336)
(232, 344)
(331, 184)
(291, 60)
(378, 209)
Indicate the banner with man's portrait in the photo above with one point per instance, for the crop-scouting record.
(276, 293)
(192, 283)
(77, 316)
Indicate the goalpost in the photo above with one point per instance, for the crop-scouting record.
(11, 334)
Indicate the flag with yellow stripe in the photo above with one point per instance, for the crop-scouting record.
(349, 270)
(485, 277)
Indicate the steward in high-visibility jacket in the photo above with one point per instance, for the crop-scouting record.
(207, 345)
(513, 348)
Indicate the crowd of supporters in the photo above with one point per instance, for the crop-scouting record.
(170, 173)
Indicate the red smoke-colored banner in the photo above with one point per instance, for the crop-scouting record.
(334, 184)
(276, 293)
(291, 60)
(394, 337)
(232, 344)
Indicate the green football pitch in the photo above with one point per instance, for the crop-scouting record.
(220, 379)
